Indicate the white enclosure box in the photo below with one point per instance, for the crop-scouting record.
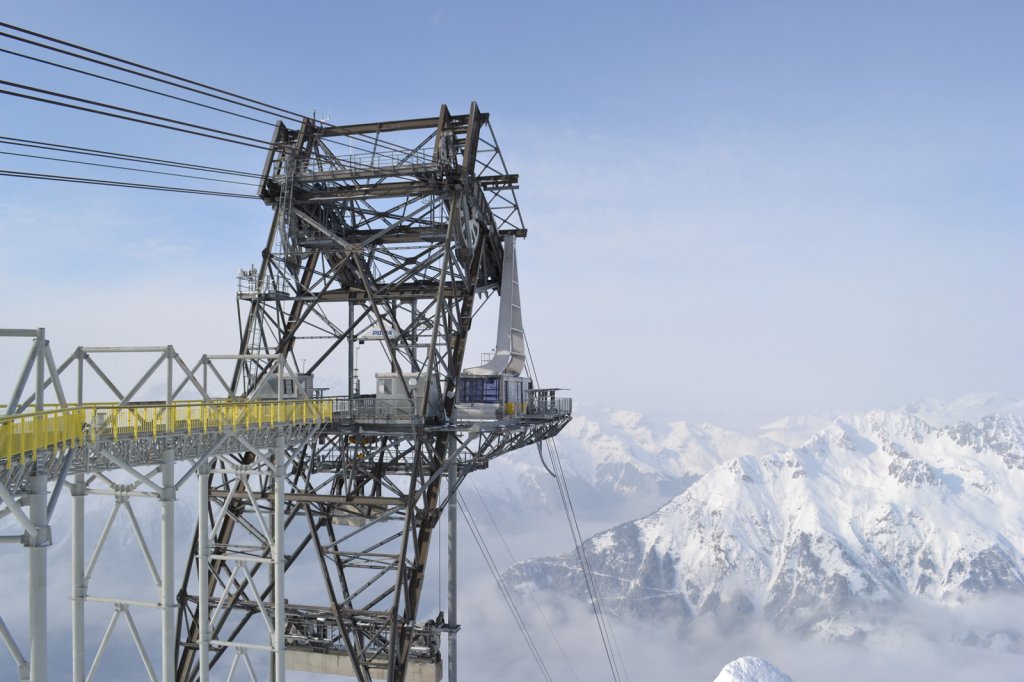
(293, 387)
(394, 399)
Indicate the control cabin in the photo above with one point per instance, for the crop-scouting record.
(485, 398)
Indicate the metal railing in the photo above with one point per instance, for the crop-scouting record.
(320, 633)
(373, 409)
(549, 407)
(388, 159)
(27, 433)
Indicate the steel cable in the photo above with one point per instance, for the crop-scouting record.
(529, 589)
(87, 151)
(221, 135)
(503, 588)
(267, 108)
(116, 183)
(128, 168)
(136, 87)
(608, 640)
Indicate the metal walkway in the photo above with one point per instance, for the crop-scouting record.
(28, 436)
(134, 452)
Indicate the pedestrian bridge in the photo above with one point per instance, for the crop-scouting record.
(25, 436)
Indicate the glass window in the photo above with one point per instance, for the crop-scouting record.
(478, 389)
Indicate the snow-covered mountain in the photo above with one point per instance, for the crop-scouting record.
(617, 467)
(751, 669)
(620, 466)
(873, 513)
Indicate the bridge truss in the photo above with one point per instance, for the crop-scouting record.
(388, 234)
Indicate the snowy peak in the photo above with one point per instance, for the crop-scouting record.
(624, 438)
(999, 433)
(617, 465)
(751, 669)
(970, 408)
(828, 538)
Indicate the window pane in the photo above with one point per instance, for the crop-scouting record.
(478, 390)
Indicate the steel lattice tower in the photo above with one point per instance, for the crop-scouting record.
(391, 232)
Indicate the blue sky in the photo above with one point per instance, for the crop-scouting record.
(737, 210)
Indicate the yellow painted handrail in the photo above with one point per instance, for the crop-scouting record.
(27, 433)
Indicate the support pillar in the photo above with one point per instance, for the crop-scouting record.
(278, 559)
(353, 388)
(37, 575)
(168, 603)
(453, 516)
(79, 584)
(203, 538)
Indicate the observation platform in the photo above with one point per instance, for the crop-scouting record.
(47, 436)
(401, 411)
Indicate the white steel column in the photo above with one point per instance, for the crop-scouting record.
(37, 505)
(79, 583)
(203, 568)
(278, 558)
(37, 575)
(453, 512)
(167, 597)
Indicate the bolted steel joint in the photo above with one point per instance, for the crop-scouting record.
(43, 537)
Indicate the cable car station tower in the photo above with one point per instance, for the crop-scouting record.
(389, 233)
(315, 522)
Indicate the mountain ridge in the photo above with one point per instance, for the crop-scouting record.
(831, 538)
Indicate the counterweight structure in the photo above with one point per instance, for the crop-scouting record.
(387, 236)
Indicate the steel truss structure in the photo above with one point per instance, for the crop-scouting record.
(125, 453)
(315, 515)
(391, 231)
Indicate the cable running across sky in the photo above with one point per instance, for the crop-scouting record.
(227, 103)
(356, 144)
(615, 661)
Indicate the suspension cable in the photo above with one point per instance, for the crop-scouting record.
(222, 135)
(529, 589)
(128, 168)
(266, 107)
(604, 627)
(503, 588)
(86, 151)
(126, 118)
(116, 183)
(136, 87)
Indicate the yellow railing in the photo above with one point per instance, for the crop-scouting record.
(27, 433)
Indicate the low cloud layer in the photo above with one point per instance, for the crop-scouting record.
(918, 650)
